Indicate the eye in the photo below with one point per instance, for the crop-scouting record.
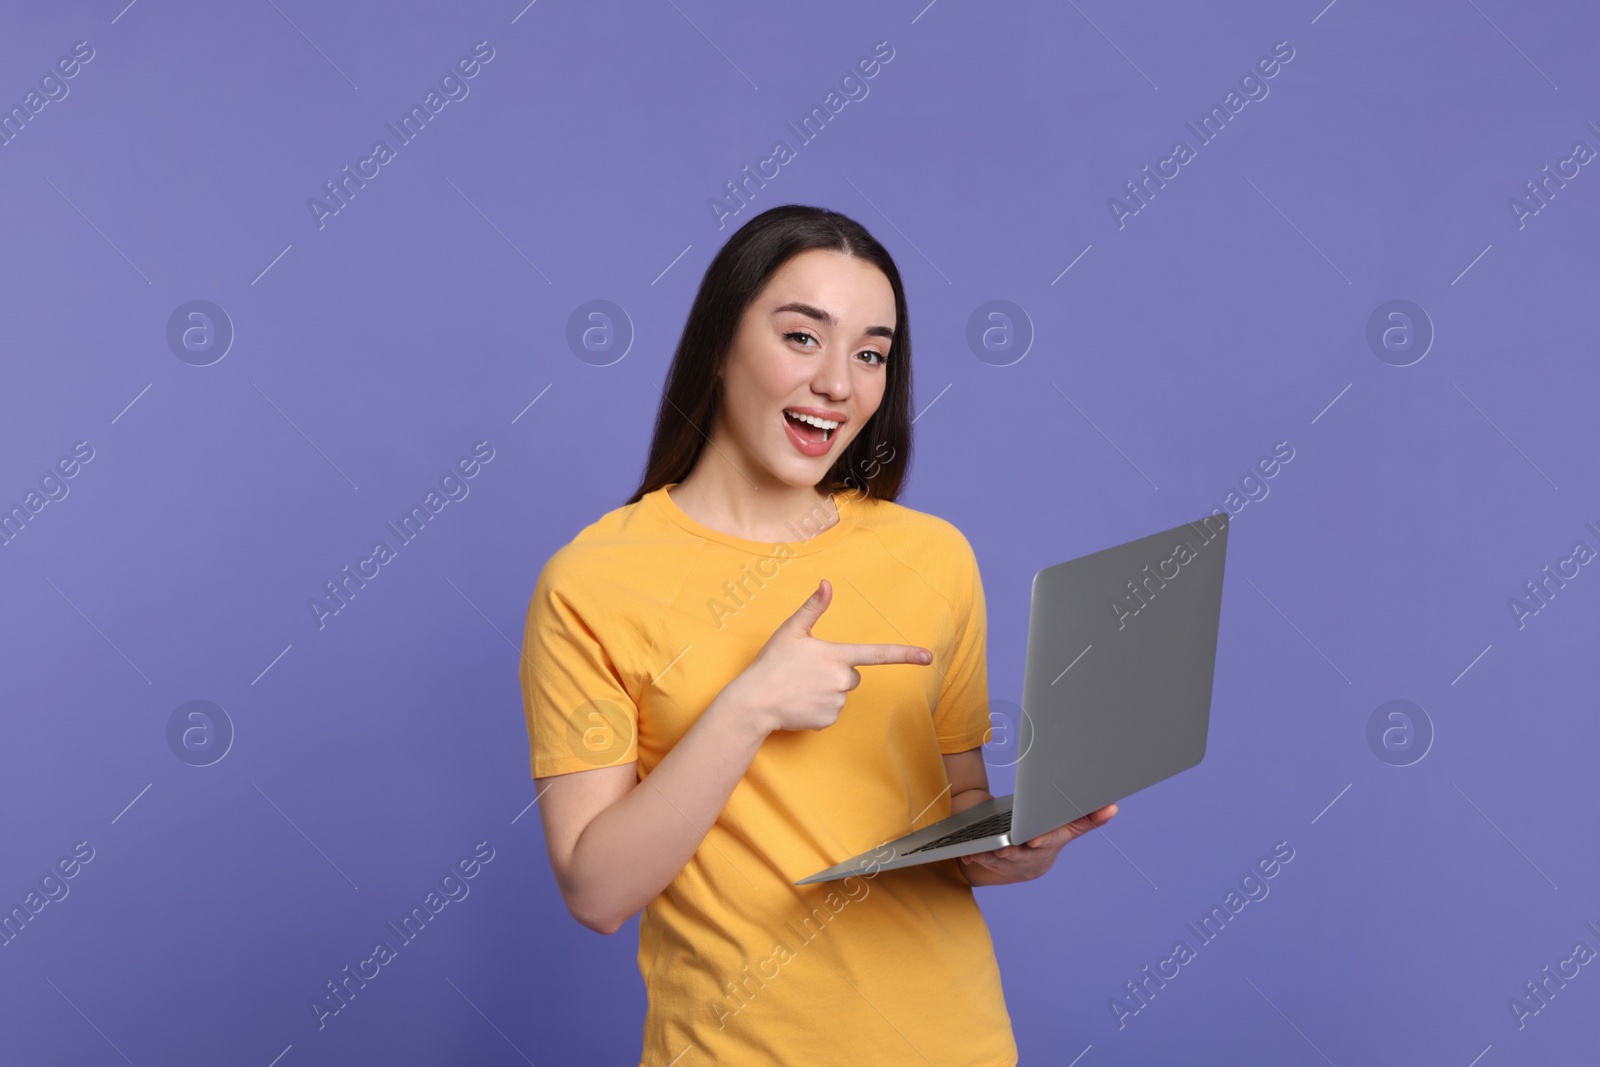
(882, 359)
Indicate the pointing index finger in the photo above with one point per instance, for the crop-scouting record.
(869, 655)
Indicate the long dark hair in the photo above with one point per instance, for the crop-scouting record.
(874, 464)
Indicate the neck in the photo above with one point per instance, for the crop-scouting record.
(745, 504)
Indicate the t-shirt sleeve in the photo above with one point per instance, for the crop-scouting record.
(579, 713)
(961, 718)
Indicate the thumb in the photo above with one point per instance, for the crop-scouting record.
(809, 612)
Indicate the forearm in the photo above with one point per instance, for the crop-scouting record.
(967, 798)
(631, 851)
(975, 873)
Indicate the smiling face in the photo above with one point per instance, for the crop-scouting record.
(814, 343)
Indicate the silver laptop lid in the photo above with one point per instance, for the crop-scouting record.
(1117, 690)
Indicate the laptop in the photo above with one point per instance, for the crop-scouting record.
(1116, 694)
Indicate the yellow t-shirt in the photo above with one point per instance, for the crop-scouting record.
(633, 629)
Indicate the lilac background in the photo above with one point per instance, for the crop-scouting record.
(1229, 314)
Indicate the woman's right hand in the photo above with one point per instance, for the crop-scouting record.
(799, 682)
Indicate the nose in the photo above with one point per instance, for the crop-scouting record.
(832, 378)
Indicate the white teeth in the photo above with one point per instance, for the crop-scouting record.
(812, 420)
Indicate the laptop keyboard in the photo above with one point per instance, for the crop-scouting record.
(994, 824)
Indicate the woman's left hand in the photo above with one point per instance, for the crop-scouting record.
(1029, 860)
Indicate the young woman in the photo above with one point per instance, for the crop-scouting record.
(702, 731)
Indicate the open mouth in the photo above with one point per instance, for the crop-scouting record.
(810, 427)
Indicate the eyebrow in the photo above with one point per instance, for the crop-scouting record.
(826, 317)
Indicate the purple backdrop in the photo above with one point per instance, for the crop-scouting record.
(240, 342)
